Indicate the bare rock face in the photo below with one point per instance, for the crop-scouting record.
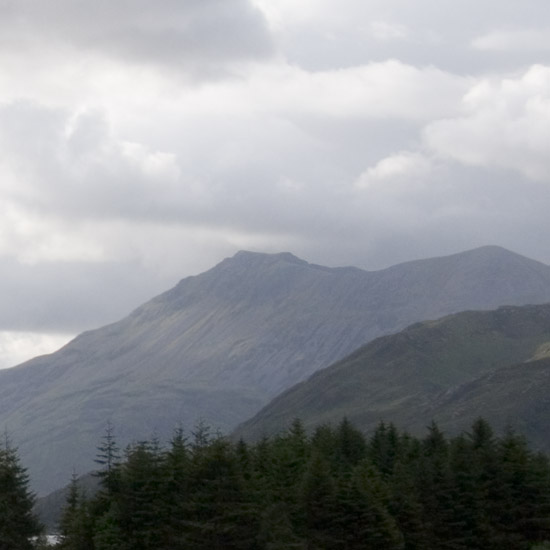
(220, 345)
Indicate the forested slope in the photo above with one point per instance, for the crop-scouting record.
(334, 489)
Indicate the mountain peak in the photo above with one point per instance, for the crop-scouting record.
(493, 254)
(491, 251)
(248, 257)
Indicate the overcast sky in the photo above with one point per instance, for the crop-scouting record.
(143, 141)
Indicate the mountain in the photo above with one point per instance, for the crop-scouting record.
(220, 345)
(494, 364)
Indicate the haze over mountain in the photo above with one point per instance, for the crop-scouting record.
(494, 364)
(220, 345)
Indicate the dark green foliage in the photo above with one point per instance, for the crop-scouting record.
(435, 486)
(75, 527)
(18, 525)
(218, 513)
(405, 507)
(332, 490)
(108, 458)
(108, 532)
(287, 462)
(276, 531)
(318, 502)
(351, 444)
(384, 448)
(378, 526)
(141, 504)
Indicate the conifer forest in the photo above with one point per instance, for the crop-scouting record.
(332, 489)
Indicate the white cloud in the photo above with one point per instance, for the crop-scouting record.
(287, 12)
(405, 166)
(16, 347)
(290, 12)
(505, 124)
(377, 90)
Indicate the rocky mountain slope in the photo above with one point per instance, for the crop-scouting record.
(494, 364)
(220, 345)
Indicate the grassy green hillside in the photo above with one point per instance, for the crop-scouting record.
(419, 374)
(516, 396)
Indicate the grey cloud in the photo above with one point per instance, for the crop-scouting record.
(439, 214)
(259, 175)
(291, 184)
(184, 187)
(438, 33)
(71, 296)
(198, 36)
(522, 40)
(454, 208)
(73, 166)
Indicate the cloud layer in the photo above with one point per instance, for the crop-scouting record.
(142, 142)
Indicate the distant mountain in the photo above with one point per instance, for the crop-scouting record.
(494, 364)
(220, 345)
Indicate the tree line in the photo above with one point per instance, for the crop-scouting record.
(331, 489)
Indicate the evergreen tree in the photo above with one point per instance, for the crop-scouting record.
(350, 526)
(405, 506)
(75, 527)
(108, 533)
(363, 520)
(483, 444)
(218, 513)
(325, 442)
(507, 505)
(468, 526)
(141, 502)
(537, 497)
(276, 531)
(108, 458)
(434, 483)
(481, 436)
(244, 459)
(18, 524)
(201, 436)
(384, 448)
(176, 473)
(318, 502)
(351, 444)
(520, 506)
(288, 457)
(329, 492)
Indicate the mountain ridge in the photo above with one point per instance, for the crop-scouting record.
(221, 344)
